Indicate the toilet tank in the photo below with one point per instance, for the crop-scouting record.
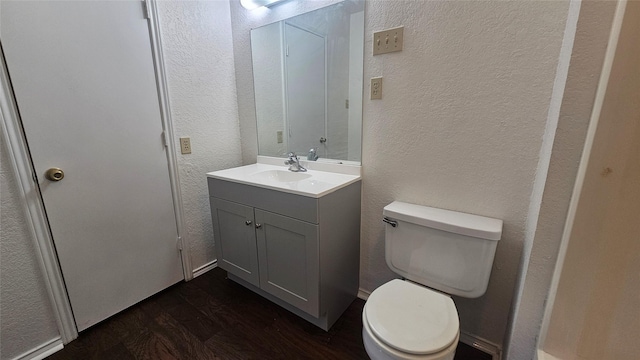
(445, 250)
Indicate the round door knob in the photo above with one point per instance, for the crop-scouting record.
(258, 226)
(54, 174)
(323, 140)
(248, 222)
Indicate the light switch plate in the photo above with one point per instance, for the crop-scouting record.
(376, 88)
(185, 145)
(387, 41)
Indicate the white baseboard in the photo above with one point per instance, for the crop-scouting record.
(42, 351)
(481, 344)
(363, 294)
(204, 268)
(544, 356)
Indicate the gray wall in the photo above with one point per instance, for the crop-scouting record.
(26, 316)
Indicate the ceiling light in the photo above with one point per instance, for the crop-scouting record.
(253, 4)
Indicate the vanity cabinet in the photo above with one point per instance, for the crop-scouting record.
(300, 252)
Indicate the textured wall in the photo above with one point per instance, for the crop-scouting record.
(196, 38)
(26, 316)
(591, 39)
(460, 124)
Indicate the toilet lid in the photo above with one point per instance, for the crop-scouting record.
(412, 318)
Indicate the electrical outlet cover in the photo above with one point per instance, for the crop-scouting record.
(376, 88)
(185, 145)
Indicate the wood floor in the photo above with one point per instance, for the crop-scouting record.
(211, 317)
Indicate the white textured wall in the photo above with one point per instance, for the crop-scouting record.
(591, 39)
(459, 127)
(26, 316)
(196, 39)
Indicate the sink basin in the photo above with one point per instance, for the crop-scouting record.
(279, 176)
(313, 183)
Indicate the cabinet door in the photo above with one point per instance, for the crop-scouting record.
(235, 237)
(288, 254)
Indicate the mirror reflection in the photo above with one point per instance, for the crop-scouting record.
(308, 83)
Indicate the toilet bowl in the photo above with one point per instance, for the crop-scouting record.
(403, 320)
(439, 252)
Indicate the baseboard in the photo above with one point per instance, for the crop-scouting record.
(204, 268)
(544, 356)
(481, 344)
(42, 351)
(363, 294)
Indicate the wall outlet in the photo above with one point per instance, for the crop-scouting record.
(387, 41)
(376, 88)
(279, 136)
(185, 145)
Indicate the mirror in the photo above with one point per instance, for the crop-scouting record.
(307, 73)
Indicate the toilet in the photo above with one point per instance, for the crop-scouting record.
(438, 253)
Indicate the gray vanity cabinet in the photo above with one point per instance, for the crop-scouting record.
(299, 252)
(288, 258)
(233, 224)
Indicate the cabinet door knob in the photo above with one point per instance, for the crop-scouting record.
(258, 226)
(248, 222)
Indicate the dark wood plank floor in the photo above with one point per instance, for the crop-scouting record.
(214, 318)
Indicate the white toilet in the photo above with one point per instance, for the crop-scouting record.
(437, 252)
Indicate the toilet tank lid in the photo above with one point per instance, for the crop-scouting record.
(445, 220)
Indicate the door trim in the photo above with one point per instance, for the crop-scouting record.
(37, 222)
(34, 208)
(167, 125)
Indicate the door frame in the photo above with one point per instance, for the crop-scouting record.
(37, 222)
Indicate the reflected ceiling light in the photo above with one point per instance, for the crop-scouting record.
(253, 4)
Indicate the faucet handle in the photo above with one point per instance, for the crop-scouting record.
(312, 156)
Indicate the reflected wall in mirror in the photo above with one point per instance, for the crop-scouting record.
(307, 74)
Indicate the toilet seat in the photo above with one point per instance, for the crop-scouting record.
(411, 318)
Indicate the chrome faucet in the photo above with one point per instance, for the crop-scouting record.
(313, 155)
(294, 163)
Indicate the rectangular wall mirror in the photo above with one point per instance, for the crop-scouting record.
(308, 83)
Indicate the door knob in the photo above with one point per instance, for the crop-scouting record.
(323, 140)
(258, 226)
(54, 174)
(248, 222)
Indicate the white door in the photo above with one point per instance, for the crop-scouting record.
(305, 88)
(83, 77)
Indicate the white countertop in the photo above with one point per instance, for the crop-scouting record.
(312, 183)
